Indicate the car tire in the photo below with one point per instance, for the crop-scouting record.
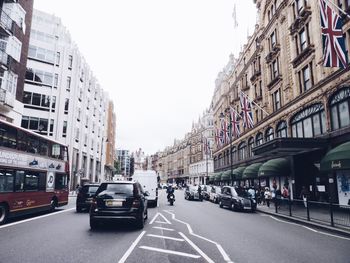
(140, 222)
(78, 209)
(3, 214)
(233, 207)
(220, 204)
(93, 223)
(146, 216)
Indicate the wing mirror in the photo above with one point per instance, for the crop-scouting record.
(146, 193)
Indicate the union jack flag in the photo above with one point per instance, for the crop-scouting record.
(246, 112)
(225, 133)
(334, 52)
(217, 137)
(206, 145)
(234, 120)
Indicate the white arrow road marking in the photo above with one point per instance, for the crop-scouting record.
(170, 252)
(166, 237)
(131, 248)
(166, 221)
(221, 250)
(197, 248)
(163, 228)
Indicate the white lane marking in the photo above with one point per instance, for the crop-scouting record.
(160, 222)
(221, 250)
(166, 221)
(131, 248)
(170, 252)
(196, 248)
(311, 229)
(166, 237)
(163, 228)
(35, 218)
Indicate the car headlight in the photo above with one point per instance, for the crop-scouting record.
(253, 201)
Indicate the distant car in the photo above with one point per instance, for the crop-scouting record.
(237, 198)
(84, 197)
(214, 194)
(119, 200)
(206, 191)
(191, 193)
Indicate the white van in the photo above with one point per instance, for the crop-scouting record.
(148, 180)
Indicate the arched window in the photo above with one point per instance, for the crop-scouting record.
(259, 139)
(340, 109)
(269, 134)
(309, 122)
(250, 146)
(242, 148)
(234, 154)
(281, 130)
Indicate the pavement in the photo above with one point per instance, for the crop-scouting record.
(322, 221)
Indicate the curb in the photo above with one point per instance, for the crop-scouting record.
(339, 231)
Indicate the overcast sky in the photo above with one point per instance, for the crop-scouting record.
(157, 59)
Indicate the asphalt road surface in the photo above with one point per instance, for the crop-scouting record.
(189, 231)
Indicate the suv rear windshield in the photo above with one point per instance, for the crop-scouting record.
(126, 189)
(89, 189)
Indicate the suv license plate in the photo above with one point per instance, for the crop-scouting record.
(114, 203)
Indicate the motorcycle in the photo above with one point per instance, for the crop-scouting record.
(171, 199)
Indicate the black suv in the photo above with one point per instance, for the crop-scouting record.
(119, 200)
(84, 197)
(237, 198)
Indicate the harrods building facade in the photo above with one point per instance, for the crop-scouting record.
(304, 107)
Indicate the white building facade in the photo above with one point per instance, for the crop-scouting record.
(63, 99)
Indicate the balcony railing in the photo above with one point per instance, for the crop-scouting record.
(3, 58)
(6, 98)
(6, 22)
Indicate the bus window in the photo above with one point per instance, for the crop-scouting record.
(8, 136)
(33, 144)
(6, 181)
(22, 144)
(19, 181)
(64, 149)
(31, 181)
(55, 151)
(61, 181)
(43, 148)
(42, 181)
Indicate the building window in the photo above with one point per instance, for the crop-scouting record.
(70, 62)
(55, 84)
(299, 5)
(66, 106)
(303, 42)
(309, 122)
(250, 146)
(39, 125)
(276, 98)
(68, 83)
(39, 77)
(272, 40)
(77, 134)
(64, 129)
(340, 109)
(259, 139)
(281, 130)
(269, 134)
(305, 78)
(242, 151)
(58, 58)
(274, 69)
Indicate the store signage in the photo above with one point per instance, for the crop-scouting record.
(336, 164)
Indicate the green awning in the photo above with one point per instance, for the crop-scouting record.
(217, 177)
(238, 172)
(211, 178)
(226, 176)
(337, 158)
(251, 171)
(275, 167)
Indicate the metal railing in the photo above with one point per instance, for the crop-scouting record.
(331, 214)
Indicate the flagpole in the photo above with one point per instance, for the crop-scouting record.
(251, 101)
(337, 7)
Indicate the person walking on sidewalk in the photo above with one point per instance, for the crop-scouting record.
(267, 196)
(304, 194)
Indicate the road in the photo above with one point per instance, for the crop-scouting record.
(189, 231)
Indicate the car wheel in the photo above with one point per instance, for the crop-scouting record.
(78, 209)
(233, 207)
(140, 222)
(93, 223)
(146, 215)
(220, 204)
(3, 214)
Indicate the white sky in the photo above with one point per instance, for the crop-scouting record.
(158, 59)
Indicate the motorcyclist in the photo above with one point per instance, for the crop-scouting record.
(169, 190)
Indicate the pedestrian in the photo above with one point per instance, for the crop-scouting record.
(262, 196)
(77, 189)
(267, 196)
(285, 192)
(304, 194)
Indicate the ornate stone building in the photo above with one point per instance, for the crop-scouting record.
(303, 107)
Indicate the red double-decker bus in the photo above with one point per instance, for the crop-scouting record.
(34, 172)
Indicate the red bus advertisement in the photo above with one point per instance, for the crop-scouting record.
(34, 172)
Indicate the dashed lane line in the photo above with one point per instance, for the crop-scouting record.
(163, 228)
(131, 248)
(166, 237)
(219, 247)
(170, 252)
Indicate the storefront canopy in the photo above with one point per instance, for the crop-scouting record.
(226, 176)
(251, 171)
(275, 167)
(211, 178)
(238, 172)
(217, 177)
(337, 158)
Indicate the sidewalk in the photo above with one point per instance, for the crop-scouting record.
(318, 218)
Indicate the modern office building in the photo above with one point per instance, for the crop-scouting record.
(123, 157)
(64, 101)
(15, 25)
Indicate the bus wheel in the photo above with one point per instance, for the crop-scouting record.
(3, 213)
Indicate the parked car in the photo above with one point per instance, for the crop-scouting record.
(119, 200)
(214, 194)
(191, 193)
(206, 191)
(84, 197)
(237, 199)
